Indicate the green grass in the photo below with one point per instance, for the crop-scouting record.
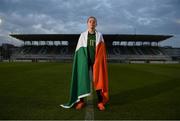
(143, 91)
(137, 91)
(35, 91)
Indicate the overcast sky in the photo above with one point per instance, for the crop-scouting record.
(69, 16)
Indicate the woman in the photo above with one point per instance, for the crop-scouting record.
(90, 53)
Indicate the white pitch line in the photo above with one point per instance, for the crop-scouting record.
(89, 115)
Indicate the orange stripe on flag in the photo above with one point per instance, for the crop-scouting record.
(100, 73)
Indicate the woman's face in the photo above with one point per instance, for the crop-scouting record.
(91, 23)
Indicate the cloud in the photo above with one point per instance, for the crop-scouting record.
(59, 16)
(177, 21)
(0, 21)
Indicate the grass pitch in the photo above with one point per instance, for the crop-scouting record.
(137, 91)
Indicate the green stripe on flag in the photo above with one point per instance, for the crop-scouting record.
(80, 82)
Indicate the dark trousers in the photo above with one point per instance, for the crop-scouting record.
(98, 92)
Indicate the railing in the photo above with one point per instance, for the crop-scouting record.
(110, 57)
(140, 57)
(39, 56)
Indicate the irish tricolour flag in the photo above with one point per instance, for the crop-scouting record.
(80, 81)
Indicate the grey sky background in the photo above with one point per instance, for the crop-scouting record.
(69, 16)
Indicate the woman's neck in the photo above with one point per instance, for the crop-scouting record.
(91, 31)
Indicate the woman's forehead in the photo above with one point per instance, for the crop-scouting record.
(92, 19)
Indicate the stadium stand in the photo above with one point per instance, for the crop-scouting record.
(120, 48)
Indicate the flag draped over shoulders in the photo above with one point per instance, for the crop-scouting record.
(80, 81)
